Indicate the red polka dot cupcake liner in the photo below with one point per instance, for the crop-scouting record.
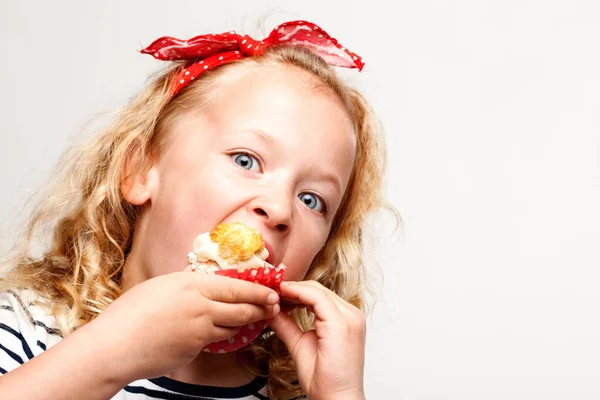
(267, 276)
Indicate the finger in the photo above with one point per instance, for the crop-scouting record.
(355, 319)
(231, 290)
(231, 315)
(323, 306)
(344, 306)
(223, 333)
(289, 307)
(291, 335)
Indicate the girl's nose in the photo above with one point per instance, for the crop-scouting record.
(277, 215)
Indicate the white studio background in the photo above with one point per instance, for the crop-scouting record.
(492, 114)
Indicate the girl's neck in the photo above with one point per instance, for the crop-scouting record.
(208, 369)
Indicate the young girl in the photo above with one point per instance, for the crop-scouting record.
(260, 132)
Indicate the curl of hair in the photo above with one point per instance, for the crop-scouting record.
(76, 275)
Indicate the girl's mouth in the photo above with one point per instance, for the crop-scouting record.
(271, 258)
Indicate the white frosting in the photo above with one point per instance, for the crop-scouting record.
(206, 250)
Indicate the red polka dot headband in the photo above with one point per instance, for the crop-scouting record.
(210, 50)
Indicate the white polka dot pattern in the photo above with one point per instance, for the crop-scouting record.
(211, 50)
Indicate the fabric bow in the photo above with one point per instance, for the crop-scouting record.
(210, 50)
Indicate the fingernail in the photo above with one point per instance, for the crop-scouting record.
(273, 298)
(276, 309)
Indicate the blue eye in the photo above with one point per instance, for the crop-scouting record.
(246, 161)
(312, 201)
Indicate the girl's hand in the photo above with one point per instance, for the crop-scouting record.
(166, 321)
(329, 359)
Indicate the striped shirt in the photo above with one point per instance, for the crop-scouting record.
(26, 331)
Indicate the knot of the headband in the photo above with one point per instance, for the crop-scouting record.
(211, 50)
(250, 47)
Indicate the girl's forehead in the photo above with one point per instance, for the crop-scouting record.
(284, 103)
(274, 89)
(268, 72)
(250, 79)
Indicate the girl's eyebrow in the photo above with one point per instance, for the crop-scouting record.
(264, 136)
(333, 179)
(257, 132)
(327, 177)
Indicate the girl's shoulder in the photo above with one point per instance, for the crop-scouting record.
(21, 306)
(26, 330)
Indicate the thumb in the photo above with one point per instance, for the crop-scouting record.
(286, 328)
(302, 346)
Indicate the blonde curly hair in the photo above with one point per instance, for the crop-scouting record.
(88, 224)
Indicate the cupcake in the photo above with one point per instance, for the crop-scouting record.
(237, 251)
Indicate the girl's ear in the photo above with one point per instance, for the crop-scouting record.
(138, 184)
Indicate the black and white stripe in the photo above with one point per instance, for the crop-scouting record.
(20, 337)
(168, 389)
(22, 334)
(33, 321)
(25, 331)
